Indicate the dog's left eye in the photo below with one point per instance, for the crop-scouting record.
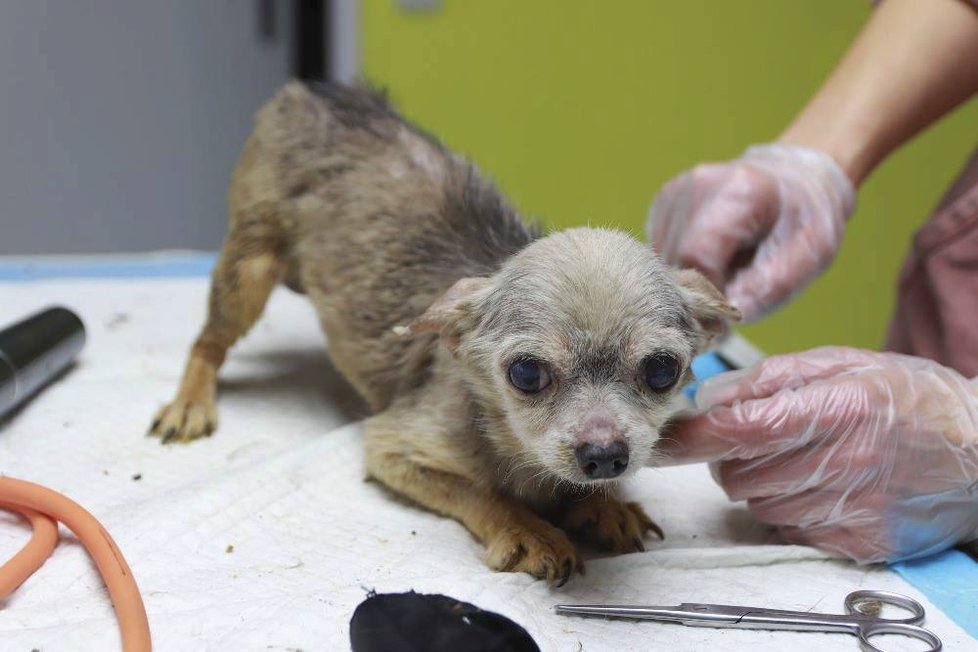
(661, 371)
(529, 376)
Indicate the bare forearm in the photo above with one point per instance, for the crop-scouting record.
(914, 61)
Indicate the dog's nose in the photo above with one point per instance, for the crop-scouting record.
(602, 461)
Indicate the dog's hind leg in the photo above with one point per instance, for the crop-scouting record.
(249, 266)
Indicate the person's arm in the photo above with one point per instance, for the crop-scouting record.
(763, 226)
(913, 62)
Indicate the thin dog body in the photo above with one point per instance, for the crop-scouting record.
(513, 378)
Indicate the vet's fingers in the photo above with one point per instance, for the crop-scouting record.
(709, 438)
(777, 475)
(778, 270)
(739, 211)
(764, 285)
(742, 431)
(856, 526)
(706, 216)
(791, 371)
(827, 466)
(862, 545)
(665, 221)
(821, 507)
(786, 421)
(687, 441)
(782, 266)
(676, 205)
(713, 437)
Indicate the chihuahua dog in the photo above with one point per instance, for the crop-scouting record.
(513, 378)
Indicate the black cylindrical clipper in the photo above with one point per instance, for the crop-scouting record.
(34, 351)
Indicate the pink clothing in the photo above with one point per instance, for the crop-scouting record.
(937, 304)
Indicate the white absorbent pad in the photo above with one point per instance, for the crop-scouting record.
(265, 536)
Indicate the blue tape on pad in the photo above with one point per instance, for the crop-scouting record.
(950, 581)
(176, 265)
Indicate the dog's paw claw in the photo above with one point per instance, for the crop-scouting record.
(565, 572)
(653, 527)
(610, 525)
(540, 550)
(183, 421)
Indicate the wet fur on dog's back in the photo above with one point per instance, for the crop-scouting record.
(376, 219)
(430, 289)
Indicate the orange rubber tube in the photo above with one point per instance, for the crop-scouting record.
(44, 508)
(42, 543)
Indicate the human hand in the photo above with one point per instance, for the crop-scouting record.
(783, 207)
(873, 456)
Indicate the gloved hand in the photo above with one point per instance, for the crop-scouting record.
(873, 456)
(760, 227)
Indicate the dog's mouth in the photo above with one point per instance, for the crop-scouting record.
(575, 475)
(589, 484)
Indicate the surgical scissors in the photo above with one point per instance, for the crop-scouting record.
(855, 621)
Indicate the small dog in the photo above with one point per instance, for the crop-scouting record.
(513, 378)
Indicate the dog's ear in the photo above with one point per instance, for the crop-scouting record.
(451, 313)
(713, 313)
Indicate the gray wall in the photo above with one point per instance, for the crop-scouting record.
(120, 120)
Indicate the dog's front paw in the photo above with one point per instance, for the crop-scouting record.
(184, 420)
(609, 524)
(539, 549)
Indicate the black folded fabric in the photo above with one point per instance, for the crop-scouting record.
(414, 622)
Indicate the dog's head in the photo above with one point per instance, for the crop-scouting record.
(581, 342)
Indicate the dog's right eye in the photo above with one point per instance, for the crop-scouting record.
(529, 376)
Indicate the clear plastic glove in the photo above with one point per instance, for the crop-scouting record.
(760, 227)
(873, 456)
